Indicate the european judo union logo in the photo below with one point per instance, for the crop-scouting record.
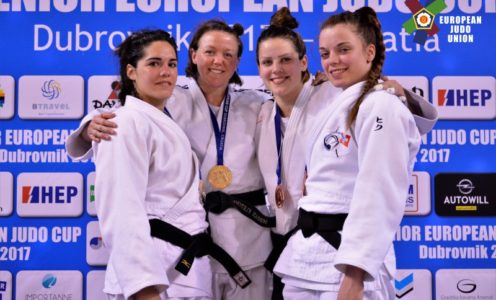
(51, 89)
(422, 20)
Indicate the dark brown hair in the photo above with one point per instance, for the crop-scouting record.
(131, 50)
(282, 25)
(368, 28)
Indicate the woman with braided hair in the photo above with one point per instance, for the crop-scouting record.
(359, 160)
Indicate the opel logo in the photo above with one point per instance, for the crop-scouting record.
(466, 286)
(465, 186)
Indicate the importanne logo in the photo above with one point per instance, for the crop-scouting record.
(48, 281)
(422, 20)
(403, 286)
(466, 286)
(51, 89)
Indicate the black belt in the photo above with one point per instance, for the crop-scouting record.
(217, 202)
(326, 225)
(197, 245)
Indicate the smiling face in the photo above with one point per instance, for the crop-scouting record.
(155, 74)
(216, 59)
(280, 68)
(345, 58)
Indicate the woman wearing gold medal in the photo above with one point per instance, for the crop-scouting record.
(221, 124)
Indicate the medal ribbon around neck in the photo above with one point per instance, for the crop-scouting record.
(220, 176)
(280, 189)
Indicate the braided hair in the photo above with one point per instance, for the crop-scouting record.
(236, 30)
(131, 50)
(282, 25)
(368, 28)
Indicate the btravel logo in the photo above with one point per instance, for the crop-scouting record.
(419, 195)
(96, 252)
(90, 194)
(422, 20)
(413, 284)
(53, 284)
(103, 92)
(5, 285)
(465, 284)
(51, 97)
(465, 194)
(470, 97)
(49, 194)
(6, 193)
(7, 88)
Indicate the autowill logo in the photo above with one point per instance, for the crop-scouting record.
(465, 194)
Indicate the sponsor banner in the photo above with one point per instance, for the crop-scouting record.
(5, 285)
(413, 284)
(7, 96)
(465, 194)
(419, 195)
(103, 92)
(466, 284)
(49, 194)
(466, 98)
(49, 284)
(51, 97)
(6, 193)
(90, 194)
(94, 285)
(417, 84)
(96, 252)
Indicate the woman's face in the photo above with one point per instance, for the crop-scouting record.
(155, 74)
(216, 59)
(344, 57)
(280, 68)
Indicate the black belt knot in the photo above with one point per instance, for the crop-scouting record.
(326, 225)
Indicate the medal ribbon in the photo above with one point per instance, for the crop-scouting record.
(277, 125)
(220, 134)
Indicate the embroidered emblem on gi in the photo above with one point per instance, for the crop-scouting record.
(378, 124)
(333, 139)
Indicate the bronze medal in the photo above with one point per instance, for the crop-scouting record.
(219, 177)
(280, 195)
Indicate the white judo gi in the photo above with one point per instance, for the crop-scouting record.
(247, 242)
(148, 171)
(364, 173)
(311, 101)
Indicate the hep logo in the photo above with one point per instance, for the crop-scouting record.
(422, 20)
(463, 97)
(48, 194)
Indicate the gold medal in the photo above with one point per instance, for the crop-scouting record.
(280, 195)
(219, 177)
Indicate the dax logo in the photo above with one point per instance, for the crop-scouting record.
(111, 99)
(466, 286)
(96, 242)
(48, 281)
(2, 97)
(51, 89)
(422, 20)
(48, 194)
(466, 97)
(403, 286)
